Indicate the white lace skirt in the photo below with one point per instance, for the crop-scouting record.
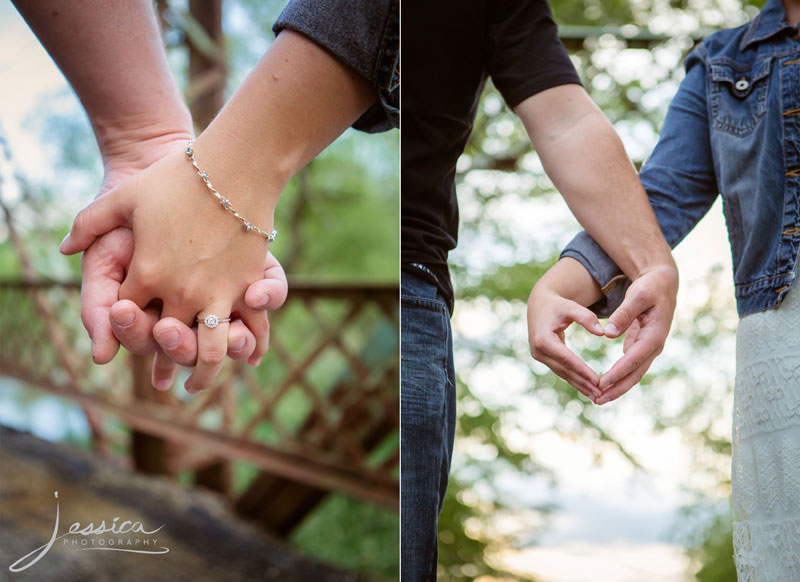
(765, 476)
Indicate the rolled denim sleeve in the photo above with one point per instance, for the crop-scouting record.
(679, 179)
(363, 34)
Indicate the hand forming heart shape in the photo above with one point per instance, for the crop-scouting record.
(559, 299)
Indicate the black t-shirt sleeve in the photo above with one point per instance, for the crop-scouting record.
(525, 54)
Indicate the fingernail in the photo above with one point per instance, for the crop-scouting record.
(63, 243)
(257, 363)
(168, 338)
(262, 301)
(94, 356)
(598, 328)
(238, 344)
(124, 318)
(192, 390)
(611, 329)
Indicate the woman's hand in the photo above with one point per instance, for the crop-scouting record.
(551, 310)
(189, 253)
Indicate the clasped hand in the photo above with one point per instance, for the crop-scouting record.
(159, 253)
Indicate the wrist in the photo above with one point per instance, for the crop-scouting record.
(220, 177)
(569, 279)
(136, 145)
(242, 171)
(666, 274)
(121, 137)
(645, 259)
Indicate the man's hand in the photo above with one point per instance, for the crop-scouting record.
(646, 314)
(104, 264)
(111, 322)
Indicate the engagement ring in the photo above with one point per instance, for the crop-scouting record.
(212, 321)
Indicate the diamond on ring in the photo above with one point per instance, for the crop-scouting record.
(211, 321)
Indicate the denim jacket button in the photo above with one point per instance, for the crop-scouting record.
(742, 84)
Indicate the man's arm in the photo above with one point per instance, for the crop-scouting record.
(113, 57)
(586, 161)
(681, 186)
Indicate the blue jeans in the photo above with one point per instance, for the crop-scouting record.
(427, 423)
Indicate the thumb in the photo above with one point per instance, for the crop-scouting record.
(101, 216)
(632, 307)
(586, 318)
(269, 292)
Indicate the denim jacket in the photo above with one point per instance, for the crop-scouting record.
(363, 34)
(733, 128)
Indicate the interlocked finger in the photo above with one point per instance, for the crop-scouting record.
(212, 346)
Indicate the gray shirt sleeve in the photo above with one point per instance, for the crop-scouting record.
(611, 279)
(363, 34)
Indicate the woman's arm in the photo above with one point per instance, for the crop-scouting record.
(191, 253)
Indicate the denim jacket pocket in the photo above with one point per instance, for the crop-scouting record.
(738, 94)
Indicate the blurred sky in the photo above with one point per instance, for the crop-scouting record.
(615, 514)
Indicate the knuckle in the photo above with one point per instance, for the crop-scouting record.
(646, 294)
(539, 342)
(81, 219)
(212, 357)
(86, 317)
(193, 288)
(147, 275)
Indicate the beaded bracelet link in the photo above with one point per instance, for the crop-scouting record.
(224, 202)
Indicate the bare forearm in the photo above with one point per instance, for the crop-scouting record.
(569, 279)
(586, 161)
(111, 53)
(294, 103)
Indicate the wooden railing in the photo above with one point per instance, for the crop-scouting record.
(320, 414)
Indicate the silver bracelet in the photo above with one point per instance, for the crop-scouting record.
(226, 204)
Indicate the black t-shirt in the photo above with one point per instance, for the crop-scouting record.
(449, 49)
